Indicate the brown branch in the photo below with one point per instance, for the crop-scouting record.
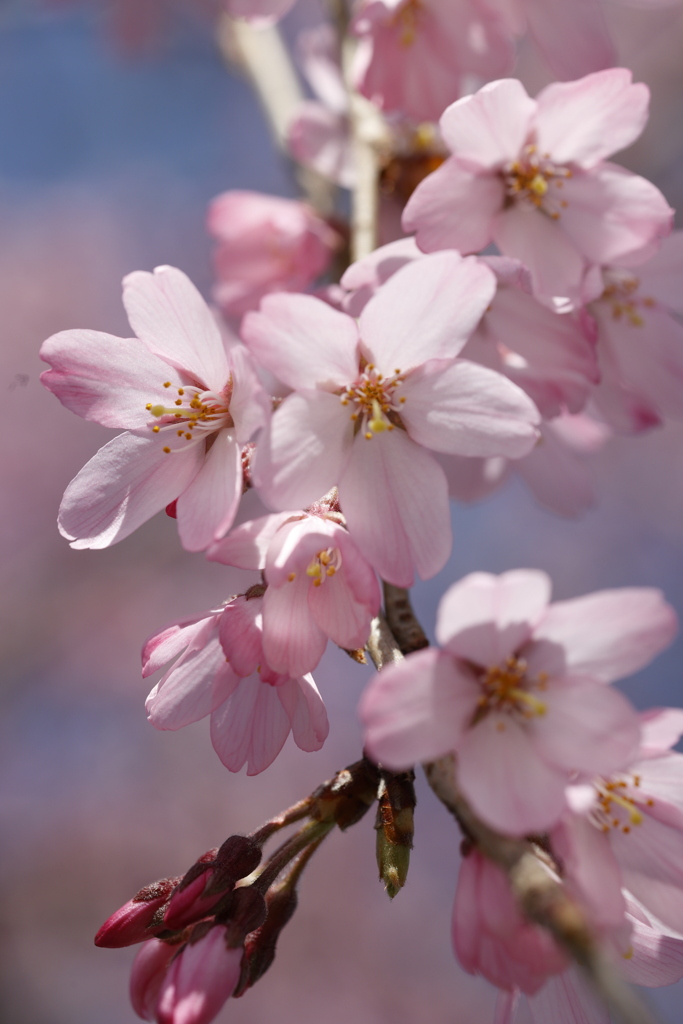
(402, 620)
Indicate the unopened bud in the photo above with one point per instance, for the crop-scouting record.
(148, 974)
(241, 911)
(133, 921)
(199, 980)
(260, 945)
(347, 796)
(395, 828)
(210, 878)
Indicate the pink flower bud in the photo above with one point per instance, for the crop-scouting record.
(148, 974)
(131, 922)
(210, 879)
(199, 980)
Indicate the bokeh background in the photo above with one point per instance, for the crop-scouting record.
(108, 159)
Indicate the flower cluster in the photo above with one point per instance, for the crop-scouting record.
(356, 410)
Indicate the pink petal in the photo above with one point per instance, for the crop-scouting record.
(285, 337)
(240, 633)
(588, 728)
(556, 263)
(663, 900)
(186, 693)
(427, 310)
(206, 509)
(250, 727)
(566, 999)
(656, 958)
(106, 379)
(660, 277)
(249, 404)
(557, 477)
(293, 643)
(147, 976)
(319, 138)
(472, 479)
(124, 484)
(586, 121)
(169, 315)
(490, 127)
(611, 212)
(338, 614)
(508, 784)
(417, 710)
(167, 645)
(609, 634)
(574, 40)
(245, 547)
(395, 499)
(295, 544)
(199, 981)
(453, 208)
(485, 618)
(302, 455)
(464, 409)
(661, 728)
(304, 705)
(378, 266)
(592, 872)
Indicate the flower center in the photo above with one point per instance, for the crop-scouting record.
(193, 415)
(325, 564)
(535, 180)
(508, 688)
(617, 804)
(621, 295)
(406, 20)
(375, 401)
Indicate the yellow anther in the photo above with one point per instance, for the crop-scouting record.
(324, 557)
(167, 384)
(167, 450)
(155, 430)
(330, 570)
(402, 399)
(628, 954)
(316, 583)
(178, 401)
(181, 391)
(291, 577)
(148, 406)
(368, 437)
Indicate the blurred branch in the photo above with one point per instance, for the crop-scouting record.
(262, 54)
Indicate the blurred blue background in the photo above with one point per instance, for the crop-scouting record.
(107, 162)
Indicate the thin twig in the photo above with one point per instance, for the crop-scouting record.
(402, 620)
(381, 645)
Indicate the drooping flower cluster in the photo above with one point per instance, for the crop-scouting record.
(433, 370)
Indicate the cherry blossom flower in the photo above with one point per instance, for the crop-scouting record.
(265, 244)
(369, 403)
(490, 935)
(318, 134)
(416, 56)
(188, 405)
(639, 339)
(319, 586)
(219, 670)
(625, 831)
(516, 692)
(531, 176)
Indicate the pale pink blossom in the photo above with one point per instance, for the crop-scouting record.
(414, 57)
(635, 324)
(318, 134)
(265, 244)
(490, 935)
(572, 37)
(219, 669)
(515, 692)
(557, 470)
(625, 831)
(531, 176)
(371, 401)
(319, 586)
(188, 405)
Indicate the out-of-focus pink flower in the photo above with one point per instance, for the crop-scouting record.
(490, 935)
(265, 244)
(635, 324)
(556, 470)
(516, 692)
(318, 134)
(199, 980)
(531, 176)
(573, 38)
(319, 586)
(252, 708)
(416, 56)
(369, 403)
(188, 405)
(625, 831)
